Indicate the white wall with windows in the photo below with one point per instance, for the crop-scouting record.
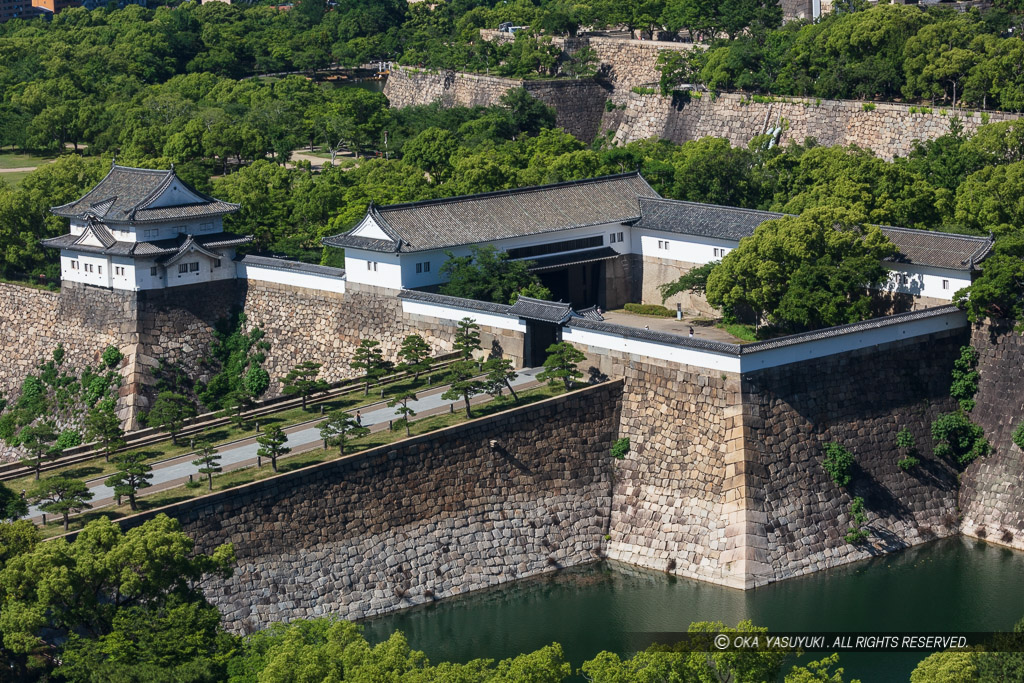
(935, 283)
(151, 232)
(90, 269)
(122, 272)
(684, 248)
(377, 269)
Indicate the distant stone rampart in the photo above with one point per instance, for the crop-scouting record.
(888, 129)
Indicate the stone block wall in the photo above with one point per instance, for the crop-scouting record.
(669, 508)
(888, 130)
(860, 399)
(579, 103)
(326, 327)
(425, 518)
(659, 271)
(990, 499)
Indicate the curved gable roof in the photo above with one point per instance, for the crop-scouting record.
(125, 195)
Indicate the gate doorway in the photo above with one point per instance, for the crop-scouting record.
(539, 336)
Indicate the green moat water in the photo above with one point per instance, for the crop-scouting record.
(950, 585)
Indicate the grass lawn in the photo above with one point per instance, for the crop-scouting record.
(744, 332)
(246, 475)
(225, 433)
(14, 178)
(12, 160)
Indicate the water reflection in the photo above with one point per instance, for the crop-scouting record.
(950, 585)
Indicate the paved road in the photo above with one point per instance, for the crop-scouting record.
(301, 438)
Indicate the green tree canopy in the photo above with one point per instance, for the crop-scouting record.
(802, 272)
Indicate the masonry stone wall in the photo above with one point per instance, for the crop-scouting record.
(425, 518)
(990, 500)
(326, 327)
(579, 103)
(860, 399)
(669, 507)
(888, 129)
(724, 482)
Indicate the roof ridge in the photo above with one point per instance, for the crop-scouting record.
(669, 200)
(984, 238)
(512, 191)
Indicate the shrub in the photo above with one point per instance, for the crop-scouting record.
(69, 438)
(905, 441)
(1018, 436)
(907, 463)
(650, 309)
(620, 448)
(642, 90)
(609, 105)
(959, 439)
(112, 356)
(965, 378)
(868, 106)
(984, 118)
(856, 534)
(837, 463)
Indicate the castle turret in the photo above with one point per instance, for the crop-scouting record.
(144, 229)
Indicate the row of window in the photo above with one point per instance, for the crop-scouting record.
(423, 267)
(556, 247)
(192, 267)
(615, 237)
(154, 233)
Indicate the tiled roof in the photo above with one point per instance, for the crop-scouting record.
(453, 301)
(701, 220)
(346, 240)
(591, 313)
(654, 336)
(286, 264)
(939, 249)
(538, 309)
(851, 328)
(125, 195)
(492, 216)
(168, 247)
(542, 263)
(922, 247)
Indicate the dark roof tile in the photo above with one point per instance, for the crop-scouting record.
(286, 264)
(453, 301)
(125, 194)
(492, 216)
(538, 309)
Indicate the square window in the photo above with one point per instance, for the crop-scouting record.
(182, 267)
(99, 270)
(74, 265)
(945, 284)
(369, 265)
(612, 240)
(620, 236)
(152, 271)
(193, 267)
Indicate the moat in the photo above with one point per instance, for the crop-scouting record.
(956, 584)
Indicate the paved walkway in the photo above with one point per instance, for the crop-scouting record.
(301, 438)
(670, 325)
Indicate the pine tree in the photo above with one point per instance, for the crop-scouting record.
(370, 360)
(207, 461)
(272, 445)
(133, 473)
(338, 428)
(103, 426)
(415, 355)
(403, 409)
(464, 383)
(37, 440)
(61, 495)
(302, 380)
(499, 377)
(170, 411)
(562, 365)
(467, 338)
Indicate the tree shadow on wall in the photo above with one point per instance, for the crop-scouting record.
(877, 497)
